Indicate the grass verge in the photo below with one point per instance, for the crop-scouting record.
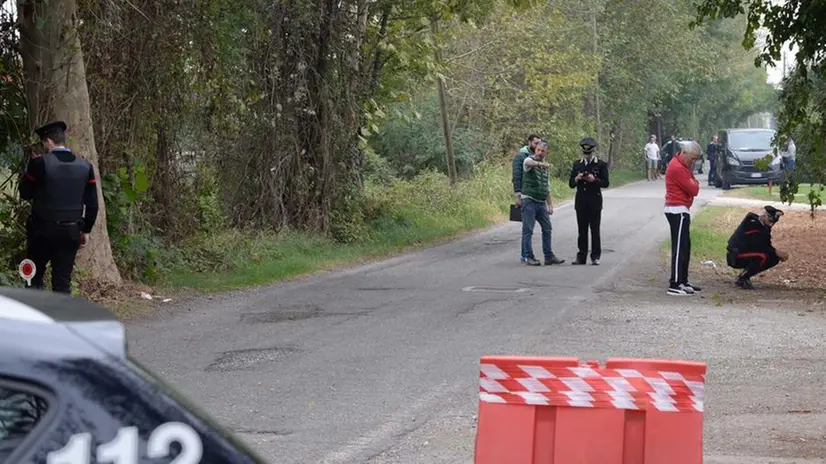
(620, 177)
(761, 192)
(396, 217)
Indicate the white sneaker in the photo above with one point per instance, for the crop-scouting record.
(680, 290)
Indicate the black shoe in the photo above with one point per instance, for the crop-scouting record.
(532, 262)
(694, 287)
(578, 262)
(745, 284)
(680, 290)
(595, 261)
(554, 260)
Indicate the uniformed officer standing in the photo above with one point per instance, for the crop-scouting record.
(60, 184)
(589, 176)
(712, 149)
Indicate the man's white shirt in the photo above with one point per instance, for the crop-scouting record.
(652, 151)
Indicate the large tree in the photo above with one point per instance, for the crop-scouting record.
(56, 89)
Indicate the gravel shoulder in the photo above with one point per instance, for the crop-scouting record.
(764, 349)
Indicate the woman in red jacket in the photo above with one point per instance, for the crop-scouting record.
(680, 189)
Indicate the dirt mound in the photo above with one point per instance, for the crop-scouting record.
(798, 233)
(804, 238)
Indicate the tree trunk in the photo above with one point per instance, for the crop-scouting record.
(450, 159)
(56, 90)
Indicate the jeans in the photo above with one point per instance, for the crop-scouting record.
(789, 164)
(532, 212)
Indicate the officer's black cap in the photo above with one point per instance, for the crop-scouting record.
(588, 144)
(773, 213)
(47, 129)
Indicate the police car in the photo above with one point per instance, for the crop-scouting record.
(69, 393)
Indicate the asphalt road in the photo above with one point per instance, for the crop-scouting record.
(379, 363)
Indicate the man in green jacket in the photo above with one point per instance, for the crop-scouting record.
(518, 170)
(537, 205)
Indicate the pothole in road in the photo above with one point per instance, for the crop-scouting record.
(485, 289)
(380, 289)
(298, 313)
(295, 313)
(238, 360)
(282, 433)
(500, 241)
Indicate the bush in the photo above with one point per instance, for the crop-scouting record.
(414, 145)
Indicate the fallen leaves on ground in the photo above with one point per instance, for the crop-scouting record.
(129, 300)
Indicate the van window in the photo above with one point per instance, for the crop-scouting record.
(750, 140)
(20, 413)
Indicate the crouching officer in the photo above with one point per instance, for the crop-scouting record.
(750, 247)
(589, 176)
(60, 185)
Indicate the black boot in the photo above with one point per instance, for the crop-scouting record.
(744, 283)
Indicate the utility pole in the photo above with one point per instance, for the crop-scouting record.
(451, 161)
(596, 93)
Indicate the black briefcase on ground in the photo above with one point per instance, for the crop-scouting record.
(516, 213)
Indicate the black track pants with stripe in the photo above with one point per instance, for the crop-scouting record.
(680, 246)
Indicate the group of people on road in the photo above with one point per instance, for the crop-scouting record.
(531, 186)
(749, 248)
(63, 189)
(657, 159)
(713, 150)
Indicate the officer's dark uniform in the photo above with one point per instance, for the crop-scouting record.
(588, 202)
(750, 247)
(61, 185)
(670, 153)
(712, 160)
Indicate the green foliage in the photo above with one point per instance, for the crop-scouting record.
(792, 23)
(271, 138)
(407, 212)
(413, 145)
(137, 248)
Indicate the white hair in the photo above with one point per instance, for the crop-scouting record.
(691, 147)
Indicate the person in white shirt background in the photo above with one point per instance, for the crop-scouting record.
(652, 158)
(789, 155)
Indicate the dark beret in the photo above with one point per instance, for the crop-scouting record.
(588, 144)
(773, 213)
(44, 130)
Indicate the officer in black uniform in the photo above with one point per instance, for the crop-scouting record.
(61, 185)
(588, 176)
(750, 247)
(712, 149)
